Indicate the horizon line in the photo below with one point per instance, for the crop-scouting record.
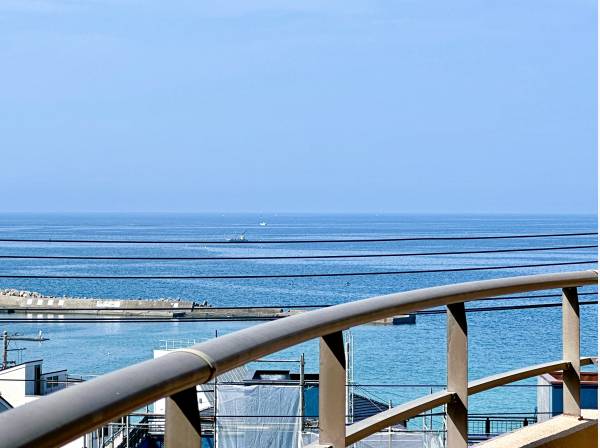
(275, 213)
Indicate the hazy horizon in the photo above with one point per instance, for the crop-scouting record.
(292, 213)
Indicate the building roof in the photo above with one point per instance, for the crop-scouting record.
(364, 407)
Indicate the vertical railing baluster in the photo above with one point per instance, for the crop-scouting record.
(457, 353)
(302, 404)
(571, 375)
(182, 420)
(332, 391)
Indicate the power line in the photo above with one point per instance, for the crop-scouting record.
(537, 296)
(294, 241)
(364, 386)
(186, 308)
(292, 257)
(108, 320)
(240, 319)
(505, 307)
(268, 383)
(266, 276)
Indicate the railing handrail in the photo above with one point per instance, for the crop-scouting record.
(69, 413)
(403, 412)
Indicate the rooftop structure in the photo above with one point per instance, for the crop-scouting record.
(27, 382)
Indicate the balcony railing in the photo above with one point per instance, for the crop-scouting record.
(67, 414)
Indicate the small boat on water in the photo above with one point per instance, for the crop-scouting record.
(241, 238)
(262, 224)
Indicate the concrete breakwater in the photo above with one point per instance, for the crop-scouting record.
(39, 306)
(35, 304)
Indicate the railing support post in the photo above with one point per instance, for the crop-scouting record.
(457, 376)
(182, 420)
(332, 391)
(571, 375)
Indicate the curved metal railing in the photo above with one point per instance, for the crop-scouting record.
(402, 413)
(67, 414)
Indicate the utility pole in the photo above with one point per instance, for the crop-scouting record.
(6, 338)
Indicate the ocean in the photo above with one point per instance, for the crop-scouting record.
(395, 356)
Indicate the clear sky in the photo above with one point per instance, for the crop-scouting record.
(291, 106)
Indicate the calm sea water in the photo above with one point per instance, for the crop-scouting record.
(412, 354)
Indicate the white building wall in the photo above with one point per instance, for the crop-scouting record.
(18, 392)
(12, 385)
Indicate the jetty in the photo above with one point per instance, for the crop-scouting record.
(34, 304)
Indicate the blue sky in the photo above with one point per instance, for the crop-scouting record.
(291, 106)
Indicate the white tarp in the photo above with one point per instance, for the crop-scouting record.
(544, 399)
(258, 416)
